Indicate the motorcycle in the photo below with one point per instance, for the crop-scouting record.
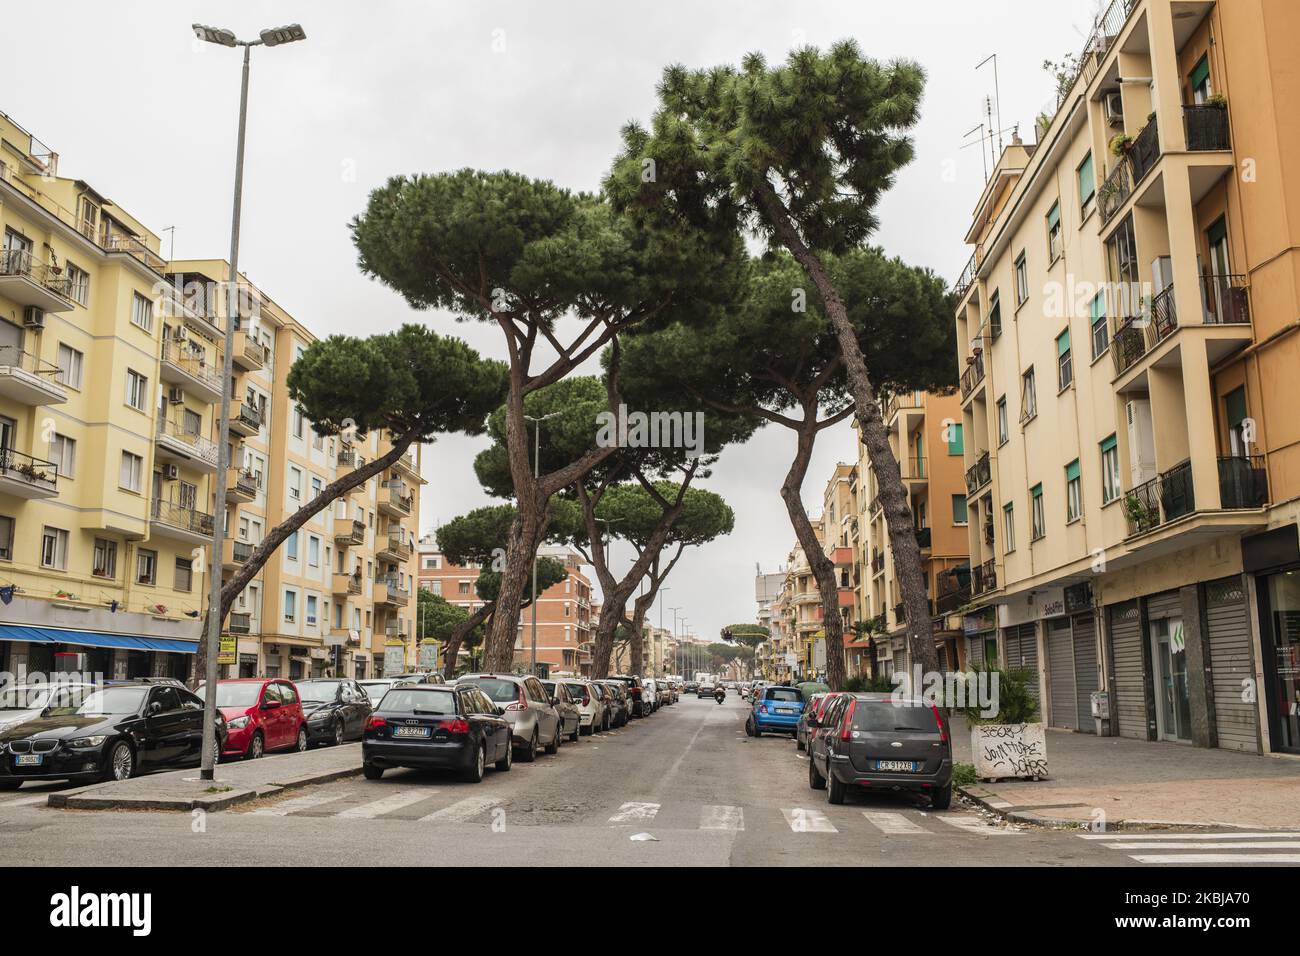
(719, 695)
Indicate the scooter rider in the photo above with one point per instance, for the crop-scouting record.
(719, 693)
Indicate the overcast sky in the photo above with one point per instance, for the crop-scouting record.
(147, 115)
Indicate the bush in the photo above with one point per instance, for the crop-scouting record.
(1014, 702)
(963, 775)
(855, 685)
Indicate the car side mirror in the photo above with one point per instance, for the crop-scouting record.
(554, 701)
(813, 722)
(155, 708)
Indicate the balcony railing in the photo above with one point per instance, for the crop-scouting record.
(136, 249)
(1243, 482)
(1138, 335)
(954, 591)
(979, 474)
(199, 446)
(967, 278)
(11, 356)
(1226, 299)
(192, 363)
(984, 578)
(249, 414)
(1145, 151)
(396, 498)
(973, 375)
(877, 564)
(39, 474)
(923, 538)
(398, 544)
(242, 481)
(240, 551)
(181, 517)
(18, 263)
(1207, 128)
(1117, 188)
(1166, 497)
(899, 401)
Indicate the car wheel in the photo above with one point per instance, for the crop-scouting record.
(474, 774)
(121, 762)
(301, 745)
(554, 746)
(749, 727)
(530, 754)
(506, 762)
(835, 790)
(941, 799)
(256, 747)
(798, 742)
(815, 780)
(371, 772)
(338, 733)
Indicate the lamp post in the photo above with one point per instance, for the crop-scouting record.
(272, 37)
(537, 465)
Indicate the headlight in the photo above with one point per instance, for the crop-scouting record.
(87, 743)
(319, 717)
(238, 723)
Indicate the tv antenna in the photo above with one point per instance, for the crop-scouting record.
(979, 129)
(997, 95)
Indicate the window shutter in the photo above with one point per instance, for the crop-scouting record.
(1063, 343)
(1098, 307)
(955, 446)
(1201, 73)
(1236, 406)
(1054, 216)
(1072, 470)
(1087, 181)
(1108, 444)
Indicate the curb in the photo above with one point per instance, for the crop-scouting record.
(1004, 810)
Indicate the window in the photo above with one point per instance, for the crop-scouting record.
(1064, 363)
(1100, 334)
(146, 567)
(131, 476)
(1022, 280)
(184, 576)
(1073, 492)
(435, 587)
(291, 546)
(295, 483)
(1087, 186)
(54, 548)
(1002, 421)
(1121, 250)
(313, 551)
(69, 361)
(959, 509)
(78, 284)
(297, 422)
(1040, 519)
(1110, 489)
(137, 390)
(955, 444)
(1009, 525)
(1028, 397)
(6, 538)
(311, 609)
(1054, 232)
(290, 606)
(1199, 81)
(63, 454)
(103, 562)
(462, 587)
(142, 312)
(316, 486)
(995, 315)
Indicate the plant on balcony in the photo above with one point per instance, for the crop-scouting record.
(1141, 515)
(1120, 144)
(1218, 101)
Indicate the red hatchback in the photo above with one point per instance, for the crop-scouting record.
(262, 714)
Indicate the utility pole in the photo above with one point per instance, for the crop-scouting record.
(537, 464)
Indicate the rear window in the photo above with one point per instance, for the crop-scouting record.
(498, 690)
(576, 691)
(784, 693)
(408, 701)
(885, 716)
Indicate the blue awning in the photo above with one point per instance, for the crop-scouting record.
(128, 642)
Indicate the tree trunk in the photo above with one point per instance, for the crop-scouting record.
(457, 635)
(611, 616)
(875, 438)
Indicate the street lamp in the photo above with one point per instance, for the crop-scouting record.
(537, 465)
(222, 37)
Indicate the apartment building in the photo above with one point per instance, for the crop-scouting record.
(839, 526)
(803, 614)
(110, 380)
(1127, 325)
(926, 435)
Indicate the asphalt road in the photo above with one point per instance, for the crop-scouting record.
(684, 786)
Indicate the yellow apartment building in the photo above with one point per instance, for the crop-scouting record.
(1127, 328)
(803, 614)
(837, 532)
(926, 436)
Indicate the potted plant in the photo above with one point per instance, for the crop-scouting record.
(1007, 740)
(1218, 101)
(1121, 144)
(1141, 515)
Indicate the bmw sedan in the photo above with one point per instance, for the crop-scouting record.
(437, 726)
(336, 710)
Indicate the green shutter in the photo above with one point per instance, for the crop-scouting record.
(1036, 491)
(1054, 216)
(1072, 470)
(1236, 403)
(1217, 232)
(1098, 307)
(955, 446)
(958, 509)
(1108, 444)
(1201, 73)
(1063, 343)
(1087, 181)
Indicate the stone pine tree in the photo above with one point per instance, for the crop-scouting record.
(560, 275)
(412, 385)
(799, 154)
(774, 357)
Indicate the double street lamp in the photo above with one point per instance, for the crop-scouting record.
(275, 36)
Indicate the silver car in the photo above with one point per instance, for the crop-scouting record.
(20, 702)
(534, 721)
(593, 713)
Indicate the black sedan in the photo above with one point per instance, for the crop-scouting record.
(336, 710)
(436, 726)
(108, 732)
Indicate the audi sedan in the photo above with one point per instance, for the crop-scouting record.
(437, 726)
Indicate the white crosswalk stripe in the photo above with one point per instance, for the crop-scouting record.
(1184, 858)
(721, 818)
(1235, 846)
(808, 821)
(308, 802)
(635, 813)
(894, 823)
(375, 808)
(462, 811)
(976, 825)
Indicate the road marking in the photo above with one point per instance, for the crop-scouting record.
(1191, 845)
(721, 818)
(26, 801)
(307, 802)
(1234, 835)
(630, 812)
(974, 826)
(395, 801)
(893, 823)
(462, 810)
(808, 821)
(1220, 858)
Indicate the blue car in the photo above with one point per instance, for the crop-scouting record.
(775, 710)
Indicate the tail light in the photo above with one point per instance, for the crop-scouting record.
(454, 726)
(521, 702)
(847, 722)
(943, 730)
(374, 722)
(586, 700)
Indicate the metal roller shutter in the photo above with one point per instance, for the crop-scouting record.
(1085, 669)
(1021, 647)
(975, 652)
(900, 660)
(1128, 702)
(1060, 675)
(1231, 663)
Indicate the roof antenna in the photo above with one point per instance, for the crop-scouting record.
(979, 129)
(997, 93)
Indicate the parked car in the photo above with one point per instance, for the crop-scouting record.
(619, 701)
(813, 708)
(437, 726)
(336, 710)
(534, 722)
(871, 740)
(669, 690)
(419, 677)
(810, 687)
(566, 707)
(111, 733)
(650, 694)
(775, 710)
(377, 687)
(262, 714)
(635, 693)
(21, 702)
(588, 697)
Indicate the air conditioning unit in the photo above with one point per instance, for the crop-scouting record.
(175, 395)
(1112, 108)
(171, 472)
(178, 334)
(1141, 441)
(33, 317)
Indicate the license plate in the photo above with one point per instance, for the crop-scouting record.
(784, 710)
(28, 760)
(907, 766)
(411, 732)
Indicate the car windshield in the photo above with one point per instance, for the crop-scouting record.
(411, 701)
(238, 694)
(784, 694)
(576, 691)
(376, 691)
(887, 716)
(319, 691)
(74, 701)
(501, 691)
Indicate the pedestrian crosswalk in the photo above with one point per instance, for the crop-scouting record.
(1240, 847)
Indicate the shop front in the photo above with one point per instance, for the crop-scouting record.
(1274, 559)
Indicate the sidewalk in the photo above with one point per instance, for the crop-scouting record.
(235, 782)
(1135, 782)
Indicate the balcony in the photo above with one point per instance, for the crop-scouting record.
(1134, 337)
(1165, 498)
(241, 485)
(397, 630)
(348, 532)
(842, 557)
(247, 353)
(245, 419)
(923, 538)
(1243, 482)
(27, 282)
(974, 374)
(1207, 128)
(389, 591)
(967, 278)
(1144, 153)
(1115, 190)
(984, 579)
(239, 622)
(349, 459)
(897, 402)
(346, 584)
(136, 249)
(170, 520)
(27, 380)
(175, 443)
(235, 553)
(1226, 299)
(877, 564)
(22, 476)
(188, 368)
(913, 469)
(979, 474)
(395, 546)
(394, 499)
(1129, 170)
(954, 591)
(407, 466)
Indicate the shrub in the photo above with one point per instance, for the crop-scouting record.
(1015, 705)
